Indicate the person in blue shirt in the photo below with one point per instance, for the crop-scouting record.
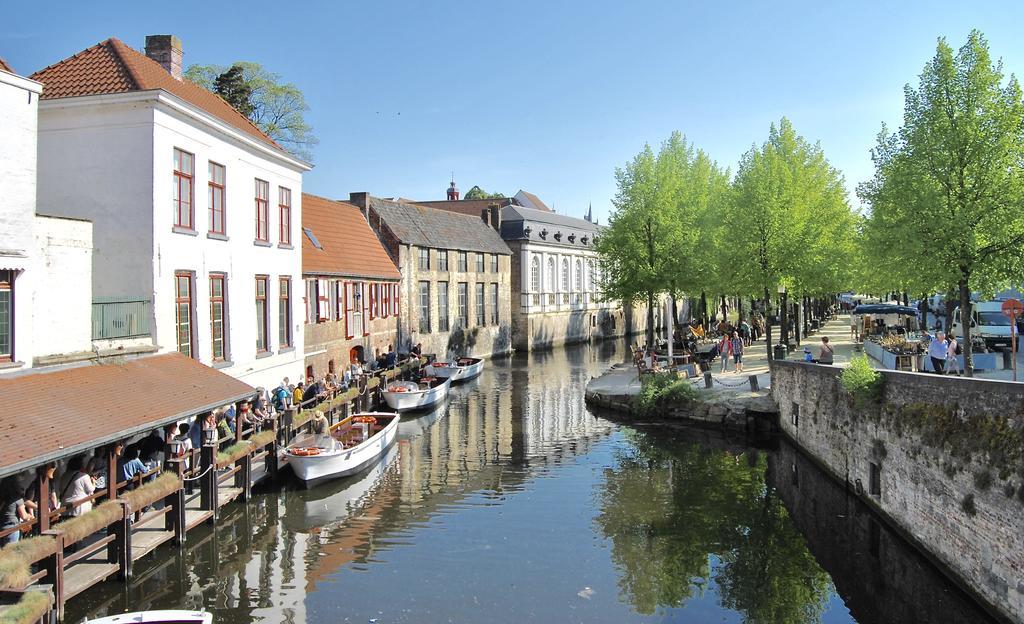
(937, 349)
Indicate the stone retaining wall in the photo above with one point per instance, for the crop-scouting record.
(939, 457)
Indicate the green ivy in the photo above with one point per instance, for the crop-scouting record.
(862, 383)
(662, 391)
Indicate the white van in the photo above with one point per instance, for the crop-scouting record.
(988, 324)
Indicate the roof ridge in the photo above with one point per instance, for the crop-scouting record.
(68, 58)
(116, 45)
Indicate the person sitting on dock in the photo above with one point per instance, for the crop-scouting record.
(827, 353)
(391, 358)
(418, 350)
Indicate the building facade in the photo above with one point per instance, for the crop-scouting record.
(45, 266)
(456, 274)
(555, 281)
(352, 288)
(196, 211)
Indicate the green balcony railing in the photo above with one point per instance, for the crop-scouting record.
(120, 317)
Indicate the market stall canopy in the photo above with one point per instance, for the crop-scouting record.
(885, 308)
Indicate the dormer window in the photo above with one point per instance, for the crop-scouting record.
(558, 236)
(584, 240)
(544, 233)
(572, 238)
(527, 230)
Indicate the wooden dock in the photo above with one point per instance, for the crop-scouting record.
(189, 491)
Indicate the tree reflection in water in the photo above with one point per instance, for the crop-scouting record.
(680, 516)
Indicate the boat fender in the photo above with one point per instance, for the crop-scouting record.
(305, 451)
(365, 419)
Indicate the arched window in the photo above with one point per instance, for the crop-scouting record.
(565, 275)
(592, 277)
(579, 276)
(535, 279)
(552, 282)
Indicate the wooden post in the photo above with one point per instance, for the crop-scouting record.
(43, 501)
(111, 474)
(272, 466)
(707, 379)
(238, 423)
(54, 567)
(174, 520)
(754, 387)
(208, 482)
(120, 550)
(243, 478)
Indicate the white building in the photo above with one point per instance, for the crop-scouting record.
(44, 261)
(196, 211)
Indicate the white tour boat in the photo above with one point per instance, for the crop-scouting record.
(462, 369)
(345, 448)
(403, 396)
(157, 617)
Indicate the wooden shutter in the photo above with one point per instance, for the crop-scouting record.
(323, 302)
(348, 310)
(366, 307)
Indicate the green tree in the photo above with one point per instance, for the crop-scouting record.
(478, 193)
(948, 184)
(278, 108)
(788, 222)
(231, 86)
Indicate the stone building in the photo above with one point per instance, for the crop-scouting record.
(456, 273)
(555, 275)
(195, 210)
(352, 294)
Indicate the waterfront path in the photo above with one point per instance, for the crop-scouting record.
(621, 380)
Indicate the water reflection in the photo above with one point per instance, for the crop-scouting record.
(683, 517)
(514, 502)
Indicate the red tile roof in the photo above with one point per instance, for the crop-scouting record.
(5, 67)
(472, 207)
(113, 67)
(348, 247)
(50, 415)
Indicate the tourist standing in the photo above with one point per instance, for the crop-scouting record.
(952, 351)
(14, 511)
(937, 350)
(737, 353)
(724, 351)
(80, 488)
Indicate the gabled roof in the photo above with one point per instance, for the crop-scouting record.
(440, 229)
(472, 207)
(52, 415)
(345, 245)
(519, 213)
(5, 67)
(112, 67)
(531, 201)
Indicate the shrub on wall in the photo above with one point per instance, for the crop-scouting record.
(862, 382)
(662, 391)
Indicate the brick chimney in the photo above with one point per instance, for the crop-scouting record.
(166, 50)
(494, 217)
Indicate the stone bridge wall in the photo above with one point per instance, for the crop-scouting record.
(939, 457)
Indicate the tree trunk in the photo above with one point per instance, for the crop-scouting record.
(906, 300)
(767, 327)
(950, 304)
(965, 323)
(739, 308)
(924, 312)
(784, 318)
(650, 319)
(704, 309)
(675, 317)
(796, 325)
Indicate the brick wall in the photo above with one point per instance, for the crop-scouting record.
(923, 487)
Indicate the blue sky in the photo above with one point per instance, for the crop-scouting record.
(547, 96)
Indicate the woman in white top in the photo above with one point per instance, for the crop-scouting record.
(81, 487)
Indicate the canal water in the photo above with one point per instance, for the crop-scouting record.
(515, 503)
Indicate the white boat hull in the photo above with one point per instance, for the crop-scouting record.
(456, 373)
(343, 462)
(157, 617)
(417, 399)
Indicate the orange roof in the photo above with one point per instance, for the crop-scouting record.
(51, 415)
(113, 67)
(5, 67)
(348, 247)
(471, 207)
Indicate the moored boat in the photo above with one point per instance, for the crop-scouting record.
(403, 396)
(174, 616)
(462, 369)
(343, 449)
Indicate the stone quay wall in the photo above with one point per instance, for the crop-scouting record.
(939, 458)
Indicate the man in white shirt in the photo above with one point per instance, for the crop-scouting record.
(937, 350)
